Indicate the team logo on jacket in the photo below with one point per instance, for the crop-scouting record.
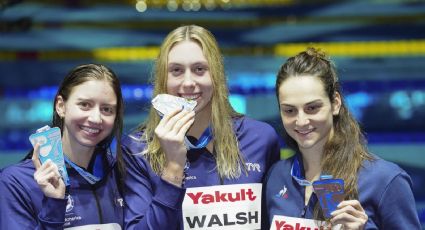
(119, 202)
(253, 167)
(69, 204)
(283, 193)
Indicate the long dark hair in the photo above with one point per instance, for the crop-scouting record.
(345, 151)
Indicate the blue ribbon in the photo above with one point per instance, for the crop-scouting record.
(203, 141)
(97, 169)
(297, 174)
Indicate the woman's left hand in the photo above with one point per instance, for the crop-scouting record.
(350, 214)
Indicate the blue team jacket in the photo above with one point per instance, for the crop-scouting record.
(152, 203)
(385, 193)
(24, 206)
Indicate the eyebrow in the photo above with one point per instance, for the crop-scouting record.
(83, 99)
(88, 99)
(308, 103)
(200, 62)
(173, 63)
(194, 63)
(315, 101)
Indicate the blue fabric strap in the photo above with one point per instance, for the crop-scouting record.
(296, 173)
(203, 141)
(97, 169)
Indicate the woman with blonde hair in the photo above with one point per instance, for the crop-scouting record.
(212, 145)
(329, 142)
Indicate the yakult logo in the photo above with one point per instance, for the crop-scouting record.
(282, 225)
(217, 196)
(294, 223)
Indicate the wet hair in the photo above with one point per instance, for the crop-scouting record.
(80, 75)
(228, 157)
(346, 149)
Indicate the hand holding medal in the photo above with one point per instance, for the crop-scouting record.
(177, 117)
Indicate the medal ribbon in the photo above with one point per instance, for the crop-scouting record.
(97, 169)
(203, 141)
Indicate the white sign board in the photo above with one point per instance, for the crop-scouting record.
(225, 207)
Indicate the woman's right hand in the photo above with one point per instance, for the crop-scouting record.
(47, 176)
(171, 131)
(350, 214)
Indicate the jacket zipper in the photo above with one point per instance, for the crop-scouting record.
(99, 210)
(304, 211)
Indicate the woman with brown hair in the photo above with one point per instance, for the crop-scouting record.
(88, 111)
(328, 141)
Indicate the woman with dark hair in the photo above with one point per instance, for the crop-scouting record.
(329, 142)
(88, 110)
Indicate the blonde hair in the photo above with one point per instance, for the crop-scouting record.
(228, 156)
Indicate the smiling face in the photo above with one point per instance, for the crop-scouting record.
(189, 76)
(89, 114)
(307, 112)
